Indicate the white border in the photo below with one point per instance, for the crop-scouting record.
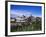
(29, 32)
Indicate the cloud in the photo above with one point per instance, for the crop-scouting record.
(20, 13)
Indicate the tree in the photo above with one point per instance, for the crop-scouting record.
(38, 23)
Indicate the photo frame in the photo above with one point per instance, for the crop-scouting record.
(23, 9)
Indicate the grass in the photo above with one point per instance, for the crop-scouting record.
(29, 27)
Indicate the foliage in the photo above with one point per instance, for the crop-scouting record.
(35, 26)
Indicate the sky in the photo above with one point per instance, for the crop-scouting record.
(19, 10)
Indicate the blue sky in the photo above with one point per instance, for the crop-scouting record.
(26, 10)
